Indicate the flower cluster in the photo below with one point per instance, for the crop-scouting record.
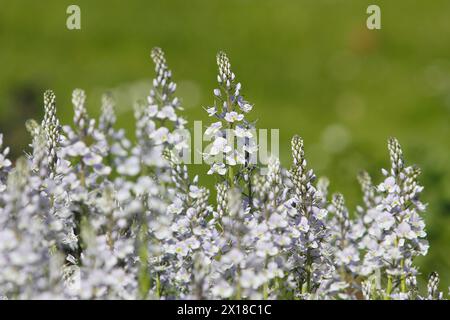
(233, 148)
(91, 214)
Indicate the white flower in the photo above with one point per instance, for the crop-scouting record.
(176, 207)
(389, 185)
(181, 249)
(230, 159)
(160, 136)
(233, 116)
(92, 159)
(273, 270)
(219, 168)
(235, 256)
(239, 157)
(246, 107)
(4, 163)
(242, 133)
(130, 167)
(266, 248)
(195, 191)
(222, 289)
(348, 255)
(167, 112)
(250, 148)
(192, 243)
(404, 231)
(70, 239)
(338, 286)
(144, 185)
(385, 220)
(152, 110)
(303, 225)
(77, 149)
(211, 111)
(251, 279)
(277, 221)
(102, 170)
(393, 253)
(179, 141)
(321, 214)
(213, 128)
(220, 145)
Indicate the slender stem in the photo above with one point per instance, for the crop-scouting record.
(230, 126)
(388, 288)
(308, 258)
(266, 291)
(306, 286)
(403, 277)
(144, 277)
(250, 196)
(231, 176)
(82, 177)
(158, 286)
(343, 273)
(265, 286)
(308, 280)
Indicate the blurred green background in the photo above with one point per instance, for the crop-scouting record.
(310, 67)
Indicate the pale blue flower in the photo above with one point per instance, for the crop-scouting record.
(233, 116)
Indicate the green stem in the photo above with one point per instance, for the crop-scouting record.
(144, 277)
(343, 273)
(308, 273)
(265, 286)
(250, 196)
(238, 292)
(231, 176)
(388, 288)
(158, 287)
(403, 277)
(308, 281)
(230, 126)
(266, 291)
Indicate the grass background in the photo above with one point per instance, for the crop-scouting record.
(310, 67)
